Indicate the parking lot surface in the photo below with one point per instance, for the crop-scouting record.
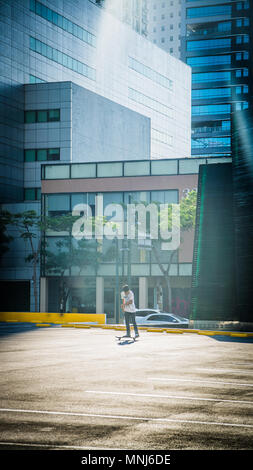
(73, 388)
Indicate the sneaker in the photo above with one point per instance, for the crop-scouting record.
(137, 336)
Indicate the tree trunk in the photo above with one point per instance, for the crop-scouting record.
(35, 293)
(167, 298)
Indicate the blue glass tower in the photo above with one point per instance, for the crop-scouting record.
(216, 44)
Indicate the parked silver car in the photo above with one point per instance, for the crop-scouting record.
(155, 318)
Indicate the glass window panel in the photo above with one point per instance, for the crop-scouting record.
(209, 60)
(136, 196)
(109, 169)
(38, 8)
(78, 199)
(32, 5)
(164, 167)
(112, 198)
(57, 204)
(211, 77)
(41, 155)
(208, 11)
(30, 194)
(30, 117)
(83, 170)
(190, 166)
(53, 154)
(54, 17)
(30, 155)
(136, 168)
(32, 44)
(56, 172)
(208, 44)
(165, 197)
(38, 194)
(54, 115)
(211, 109)
(42, 116)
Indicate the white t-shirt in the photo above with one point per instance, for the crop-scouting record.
(131, 307)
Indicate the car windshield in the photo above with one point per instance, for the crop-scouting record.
(144, 313)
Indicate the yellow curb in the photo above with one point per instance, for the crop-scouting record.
(240, 335)
(12, 321)
(81, 326)
(156, 330)
(174, 331)
(43, 324)
(206, 333)
(190, 331)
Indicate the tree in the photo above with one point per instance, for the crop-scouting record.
(5, 239)
(187, 223)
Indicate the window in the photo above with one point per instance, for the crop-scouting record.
(62, 59)
(209, 44)
(149, 102)
(150, 73)
(211, 109)
(241, 106)
(209, 60)
(165, 197)
(137, 168)
(222, 76)
(53, 172)
(32, 194)
(61, 22)
(32, 155)
(42, 115)
(207, 142)
(163, 167)
(33, 79)
(57, 204)
(211, 93)
(30, 117)
(216, 10)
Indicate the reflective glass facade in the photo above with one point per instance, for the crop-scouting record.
(221, 79)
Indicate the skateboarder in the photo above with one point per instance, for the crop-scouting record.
(129, 310)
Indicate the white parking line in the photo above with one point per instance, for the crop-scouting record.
(225, 370)
(128, 418)
(176, 397)
(54, 446)
(217, 382)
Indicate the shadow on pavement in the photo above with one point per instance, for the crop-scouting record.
(7, 329)
(232, 339)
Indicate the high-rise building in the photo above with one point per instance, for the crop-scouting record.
(78, 85)
(217, 44)
(79, 42)
(131, 12)
(164, 25)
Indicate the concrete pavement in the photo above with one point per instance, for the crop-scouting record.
(70, 388)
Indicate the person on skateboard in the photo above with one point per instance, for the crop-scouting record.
(128, 307)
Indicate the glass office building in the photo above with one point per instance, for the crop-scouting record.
(93, 286)
(217, 45)
(79, 42)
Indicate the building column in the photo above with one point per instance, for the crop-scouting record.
(99, 294)
(43, 295)
(143, 292)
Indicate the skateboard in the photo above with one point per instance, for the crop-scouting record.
(125, 339)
